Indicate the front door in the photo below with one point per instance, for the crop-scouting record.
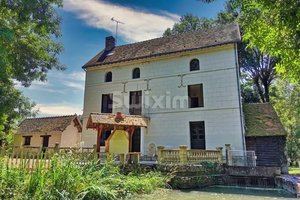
(197, 134)
(136, 140)
(45, 141)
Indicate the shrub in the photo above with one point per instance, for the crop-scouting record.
(68, 179)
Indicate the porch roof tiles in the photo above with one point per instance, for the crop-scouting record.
(110, 119)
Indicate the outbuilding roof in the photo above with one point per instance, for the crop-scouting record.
(167, 45)
(262, 120)
(48, 124)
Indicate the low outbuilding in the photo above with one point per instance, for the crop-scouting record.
(48, 131)
(265, 135)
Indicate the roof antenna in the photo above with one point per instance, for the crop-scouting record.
(117, 24)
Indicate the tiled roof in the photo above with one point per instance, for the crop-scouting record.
(262, 120)
(166, 45)
(110, 119)
(48, 124)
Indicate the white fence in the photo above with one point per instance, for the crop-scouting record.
(241, 158)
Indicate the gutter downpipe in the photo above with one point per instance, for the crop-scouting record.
(239, 98)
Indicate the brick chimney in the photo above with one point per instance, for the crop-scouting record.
(110, 43)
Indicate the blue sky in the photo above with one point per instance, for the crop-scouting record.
(85, 25)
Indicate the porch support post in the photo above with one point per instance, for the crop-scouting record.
(131, 132)
(99, 131)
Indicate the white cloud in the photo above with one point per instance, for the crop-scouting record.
(58, 109)
(77, 76)
(72, 80)
(139, 25)
(65, 75)
(74, 85)
(34, 84)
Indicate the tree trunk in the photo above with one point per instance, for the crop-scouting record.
(260, 91)
(267, 92)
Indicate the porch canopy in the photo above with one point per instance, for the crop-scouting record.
(117, 121)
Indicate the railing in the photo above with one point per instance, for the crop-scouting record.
(169, 156)
(188, 156)
(194, 156)
(31, 157)
(241, 158)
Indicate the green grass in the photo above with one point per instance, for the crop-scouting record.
(66, 180)
(294, 170)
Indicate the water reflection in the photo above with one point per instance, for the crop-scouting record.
(219, 193)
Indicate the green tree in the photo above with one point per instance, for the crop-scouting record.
(286, 101)
(259, 67)
(13, 108)
(248, 91)
(274, 27)
(28, 50)
(230, 14)
(188, 23)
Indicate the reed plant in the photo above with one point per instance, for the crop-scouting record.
(69, 179)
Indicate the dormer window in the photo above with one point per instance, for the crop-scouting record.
(194, 64)
(108, 77)
(136, 73)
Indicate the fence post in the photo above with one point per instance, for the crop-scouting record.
(228, 154)
(95, 151)
(56, 149)
(183, 154)
(159, 153)
(220, 156)
(41, 149)
(122, 158)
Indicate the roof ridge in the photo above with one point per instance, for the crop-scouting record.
(258, 103)
(50, 117)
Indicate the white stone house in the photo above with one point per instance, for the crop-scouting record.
(186, 85)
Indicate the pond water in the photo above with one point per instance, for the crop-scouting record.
(219, 193)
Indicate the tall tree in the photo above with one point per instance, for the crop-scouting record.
(274, 27)
(286, 101)
(248, 90)
(28, 50)
(187, 23)
(259, 67)
(255, 64)
(230, 14)
(13, 108)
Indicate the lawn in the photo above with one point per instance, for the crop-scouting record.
(294, 170)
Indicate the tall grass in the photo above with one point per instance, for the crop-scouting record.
(66, 179)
